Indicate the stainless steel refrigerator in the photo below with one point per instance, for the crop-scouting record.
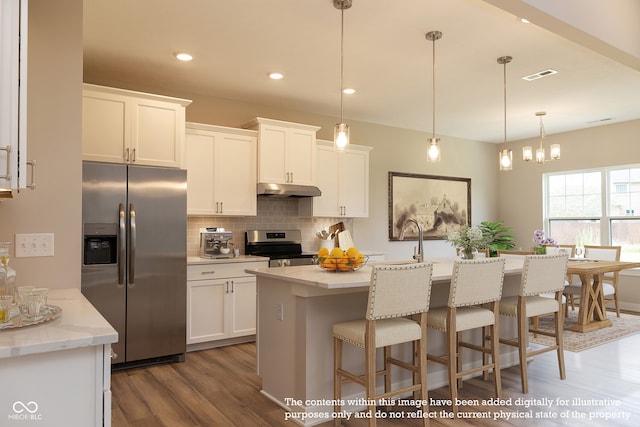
(134, 265)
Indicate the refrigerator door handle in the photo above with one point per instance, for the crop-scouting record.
(132, 243)
(122, 246)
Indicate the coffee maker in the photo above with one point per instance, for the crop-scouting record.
(216, 243)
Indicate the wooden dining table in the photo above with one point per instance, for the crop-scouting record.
(592, 313)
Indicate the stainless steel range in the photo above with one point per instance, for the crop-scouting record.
(283, 247)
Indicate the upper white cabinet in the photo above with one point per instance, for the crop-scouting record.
(343, 178)
(221, 170)
(13, 95)
(121, 126)
(286, 152)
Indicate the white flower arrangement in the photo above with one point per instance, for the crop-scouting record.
(467, 238)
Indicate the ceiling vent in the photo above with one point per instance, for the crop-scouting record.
(540, 74)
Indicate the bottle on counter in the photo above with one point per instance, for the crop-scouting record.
(7, 274)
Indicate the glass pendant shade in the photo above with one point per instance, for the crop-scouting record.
(433, 153)
(555, 151)
(527, 153)
(341, 136)
(506, 160)
(540, 155)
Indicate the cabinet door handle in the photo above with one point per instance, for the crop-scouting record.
(126, 155)
(32, 163)
(233, 289)
(221, 207)
(133, 155)
(208, 272)
(291, 177)
(8, 149)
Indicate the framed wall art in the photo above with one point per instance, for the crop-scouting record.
(438, 203)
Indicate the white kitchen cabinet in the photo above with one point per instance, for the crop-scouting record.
(221, 170)
(286, 152)
(221, 303)
(343, 178)
(121, 126)
(13, 96)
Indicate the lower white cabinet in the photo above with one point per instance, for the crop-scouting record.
(69, 387)
(221, 301)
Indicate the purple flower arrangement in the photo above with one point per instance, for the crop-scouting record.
(540, 240)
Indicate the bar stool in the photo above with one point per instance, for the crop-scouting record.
(396, 292)
(473, 283)
(540, 274)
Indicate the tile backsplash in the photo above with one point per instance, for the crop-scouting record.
(273, 213)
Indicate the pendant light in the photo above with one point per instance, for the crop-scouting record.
(506, 155)
(341, 130)
(433, 152)
(527, 152)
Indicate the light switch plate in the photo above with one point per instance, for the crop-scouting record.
(34, 245)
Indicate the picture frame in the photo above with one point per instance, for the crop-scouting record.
(438, 203)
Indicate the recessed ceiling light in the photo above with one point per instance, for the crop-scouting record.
(348, 91)
(524, 20)
(183, 56)
(276, 76)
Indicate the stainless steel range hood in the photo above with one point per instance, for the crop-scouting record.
(288, 190)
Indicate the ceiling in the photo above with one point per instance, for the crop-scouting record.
(236, 43)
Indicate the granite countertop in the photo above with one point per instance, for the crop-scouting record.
(196, 260)
(79, 325)
(312, 275)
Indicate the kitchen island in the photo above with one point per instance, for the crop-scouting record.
(296, 309)
(58, 372)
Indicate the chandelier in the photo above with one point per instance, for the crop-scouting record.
(527, 151)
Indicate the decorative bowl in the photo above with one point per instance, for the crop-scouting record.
(340, 265)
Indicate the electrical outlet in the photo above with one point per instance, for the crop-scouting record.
(34, 245)
(280, 311)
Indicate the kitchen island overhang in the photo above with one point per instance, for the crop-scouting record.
(296, 309)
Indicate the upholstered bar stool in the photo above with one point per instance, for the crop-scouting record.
(396, 313)
(476, 287)
(540, 274)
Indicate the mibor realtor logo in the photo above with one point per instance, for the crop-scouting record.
(25, 411)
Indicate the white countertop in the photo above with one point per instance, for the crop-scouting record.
(79, 325)
(312, 275)
(196, 260)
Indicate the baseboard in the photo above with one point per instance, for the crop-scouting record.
(220, 343)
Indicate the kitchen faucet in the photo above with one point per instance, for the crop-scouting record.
(420, 255)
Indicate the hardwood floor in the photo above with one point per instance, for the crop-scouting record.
(219, 387)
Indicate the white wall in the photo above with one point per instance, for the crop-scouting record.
(54, 141)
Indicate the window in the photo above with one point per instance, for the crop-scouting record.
(595, 207)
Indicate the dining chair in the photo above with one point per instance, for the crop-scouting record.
(474, 294)
(396, 313)
(540, 274)
(507, 252)
(573, 289)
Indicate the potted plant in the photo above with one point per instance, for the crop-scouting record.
(498, 241)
